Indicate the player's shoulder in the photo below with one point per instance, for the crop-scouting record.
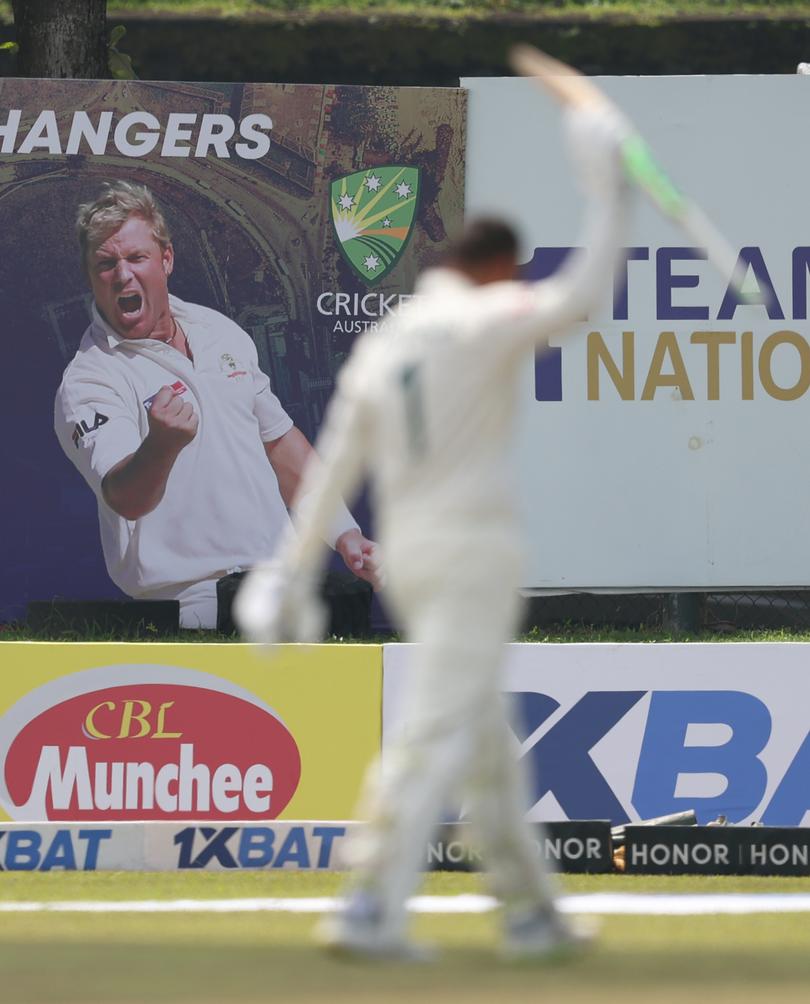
(364, 349)
(365, 359)
(447, 298)
(196, 312)
(511, 299)
(509, 291)
(91, 361)
(90, 373)
(208, 317)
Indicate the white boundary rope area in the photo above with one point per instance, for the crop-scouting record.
(645, 904)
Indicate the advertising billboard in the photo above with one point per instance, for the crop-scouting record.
(164, 846)
(664, 445)
(96, 733)
(299, 216)
(629, 732)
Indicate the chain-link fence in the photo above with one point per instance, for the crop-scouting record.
(354, 615)
(680, 612)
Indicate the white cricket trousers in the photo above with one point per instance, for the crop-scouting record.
(452, 737)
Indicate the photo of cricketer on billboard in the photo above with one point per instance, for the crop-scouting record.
(234, 240)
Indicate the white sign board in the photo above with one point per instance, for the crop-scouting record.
(666, 444)
(630, 732)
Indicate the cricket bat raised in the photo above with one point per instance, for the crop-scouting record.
(569, 86)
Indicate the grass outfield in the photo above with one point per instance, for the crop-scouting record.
(264, 957)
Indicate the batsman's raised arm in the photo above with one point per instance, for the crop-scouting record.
(594, 137)
(576, 91)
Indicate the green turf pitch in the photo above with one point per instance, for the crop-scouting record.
(239, 958)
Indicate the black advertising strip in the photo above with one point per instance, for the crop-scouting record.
(578, 845)
(121, 618)
(709, 850)
(569, 846)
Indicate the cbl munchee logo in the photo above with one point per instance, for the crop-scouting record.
(373, 213)
(145, 742)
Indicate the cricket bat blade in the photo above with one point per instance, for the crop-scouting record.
(561, 80)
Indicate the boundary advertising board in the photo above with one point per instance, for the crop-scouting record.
(631, 732)
(664, 446)
(95, 733)
(290, 846)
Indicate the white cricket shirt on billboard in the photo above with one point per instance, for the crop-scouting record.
(222, 507)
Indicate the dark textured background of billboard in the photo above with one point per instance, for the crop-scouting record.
(253, 239)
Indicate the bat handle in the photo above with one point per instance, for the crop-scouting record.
(719, 252)
(641, 168)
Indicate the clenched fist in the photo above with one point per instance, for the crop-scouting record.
(172, 421)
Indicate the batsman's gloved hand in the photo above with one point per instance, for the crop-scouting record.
(595, 134)
(273, 607)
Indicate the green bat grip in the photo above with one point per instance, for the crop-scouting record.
(643, 170)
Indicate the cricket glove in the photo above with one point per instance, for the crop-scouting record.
(273, 607)
(595, 137)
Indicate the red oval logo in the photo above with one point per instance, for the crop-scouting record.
(153, 751)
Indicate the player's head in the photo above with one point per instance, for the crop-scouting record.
(116, 203)
(486, 251)
(128, 256)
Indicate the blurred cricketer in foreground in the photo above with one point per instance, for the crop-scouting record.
(425, 408)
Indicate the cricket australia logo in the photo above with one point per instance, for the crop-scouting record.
(373, 213)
